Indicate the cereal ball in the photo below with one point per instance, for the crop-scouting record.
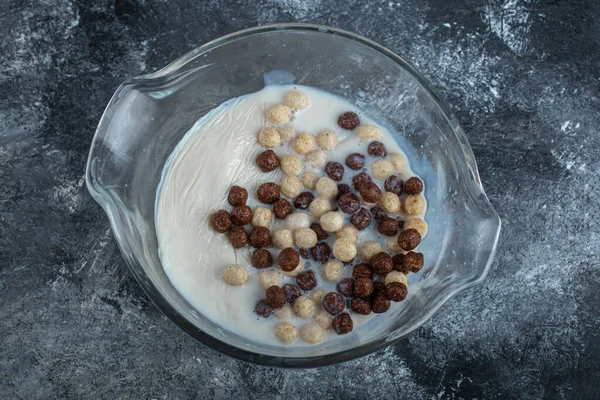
(286, 132)
(275, 296)
(348, 121)
(394, 184)
(290, 186)
(382, 263)
(414, 204)
(418, 224)
(306, 280)
(349, 203)
(391, 244)
(241, 215)
(390, 202)
(362, 219)
(235, 275)
(290, 164)
(238, 237)
(395, 276)
(360, 306)
(380, 304)
(311, 333)
(398, 161)
(304, 143)
(316, 158)
(262, 217)
(368, 132)
(298, 220)
(263, 309)
(321, 234)
(342, 190)
(303, 200)
(259, 237)
(409, 262)
(267, 161)
(344, 249)
(305, 238)
(378, 288)
(377, 213)
(381, 169)
(288, 259)
(321, 252)
(361, 179)
(326, 187)
(327, 140)
(303, 254)
(334, 170)
(296, 271)
(269, 137)
(261, 258)
(221, 221)
(309, 180)
(278, 114)
(269, 278)
(282, 238)
(377, 149)
(332, 221)
(348, 232)
(296, 100)
(362, 271)
(292, 292)
(342, 324)
(370, 192)
(332, 271)
(322, 319)
(317, 296)
(396, 291)
(388, 226)
(237, 196)
(368, 249)
(333, 303)
(268, 193)
(320, 206)
(286, 332)
(304, 306)
(363, 287)
(355, 161)
(413, 185)
(282, 208)
(345, 287)
(285, 312)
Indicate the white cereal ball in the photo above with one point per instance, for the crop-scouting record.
(368, 132)
(305, 238)
(262, 217)
(304, 306)
(381, 169)
(390, 202)
(278, 114)
(286, 132)
(290, 164)
(344, 249)
(391, 244)
(398, 161)
(395, 276)
(319, 206)
(368, 249)
(348, 232)
(269, 278)
(269, 137)
(309, 180)
(282, 238)
(290, 186)
(285, 312)
(316, 158)
(322, 319)
(286, 332)
(318, 295)
(414, 204)
(311, 333)
(332, 270)
(297, 220)
(326, 187)
(296, 100)
(327, 140)
(304, 143)
(235, 275)
(332, 221)
(418, 224)
(296, 270)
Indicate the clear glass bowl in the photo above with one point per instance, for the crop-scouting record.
(148, 115)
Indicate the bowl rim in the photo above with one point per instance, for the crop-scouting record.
(277, 361)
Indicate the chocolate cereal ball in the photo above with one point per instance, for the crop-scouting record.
(259, 237)
(306, 280)
(321, 252)
(268, 193)
(237, 196)
(361, 306)
(221, 221)
(360, 179)
(380, 304)
(370, 192)
(348, 121)
(413, 185)
(396, 291)
(282, 208)
(334, 170)
(263, 309)
(377, 149)
(261, 258)
(368, 132)
(345, 287)
(382, 263)
(292, 292)
(267, 161)
(241, 215)
(362, 219)
(355, 161)
(377, 212)
(333, 303)
(388, 226)
(413, 262)
(288, 259)
(275, 297)
(349, 203)
(362, 271)
(363, 287)
(394, 185)
(409, 239)
(342, 324)
(321, 234)
(303, 200)
(238, 237)
(342, 190)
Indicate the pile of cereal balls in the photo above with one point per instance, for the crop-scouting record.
(322, 218)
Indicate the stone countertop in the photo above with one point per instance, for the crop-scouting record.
(523, 77)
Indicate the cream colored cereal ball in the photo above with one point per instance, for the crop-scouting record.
(381, 169)
(296, 270)
(368, 132)
(414, 204)
(332, 221)
(286, 332)
(326, 187)
(311, 333)
(269, 278)
(290, 164)
(296, 100)
(297, 220)
(322, 319)
(278, 114)
(286, 132)
(304, 143)
(344, 249)
(391, 244)
(398, 161)
(309, 180)
(390, 202)
(235, 275)
(269, 137)
(262, 217)
(319, 206)
(418, 224)
(282, 238)
(332, 270)
(290, 186)
(395, 276)
(316, 158)
(304, 306)
(368, 249)
(317, 296)
(285, 312)
(305, 238)
(348, 232)
(327, 140)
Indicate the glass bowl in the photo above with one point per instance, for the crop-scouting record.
(148, 115)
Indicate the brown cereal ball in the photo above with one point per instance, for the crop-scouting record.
(278, 114)
(396, 291)
(311, 333)
(394, 184)
(370, 192)
(398, 161)
(221, 221)
(332, 270)
(286, 332)
(275, 297)
(418, 224)
(304, 306)
(237, 196)
(413, 262)
(363, 287)
(342, 190)
(368, 132)
(359, 180)
(362, 271)
(388, 226)
(398, 261)
(321, 234)
(348, 121)
(263, 309)
(283, 238)
(292, 292)
(377, 149)
(321, 252)
(296, 100)
(235, 275)
(355, 161)
(342, 324)
(345, 287)
(334, 170)
(361, 306)
(268, 193)
(290, 186)
(409, 239)
(349, 203)
(316, 158)
(291, 165)
(381, 169)
(382, 263)
(241, 215)
(380, 304)
(309, 180)
(377, 213)
(282, 208)
(348, 232)
(333, 303)
(326, 188)
(262, 217)
(303, 200)
(414, 204)
(344, 249)
(368, 249)
(261, 258)
(304, 143)
(305, 238)
(362, 219)
(269, 137)
(286, 132)
(306, 280)
(259, 237)
(267, 161)
(332, 221)
(295, 271)
(269, 278)
(322, 319)
(378, 288)
(395, 276)
(413, 185)
(319, 206)
(288, 259)
(327, 140)
(298, 220)
(390, 202)
(238, 237)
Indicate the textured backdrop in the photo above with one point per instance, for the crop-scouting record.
(523, 77)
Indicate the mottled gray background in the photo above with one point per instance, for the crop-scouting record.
(523, 76)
